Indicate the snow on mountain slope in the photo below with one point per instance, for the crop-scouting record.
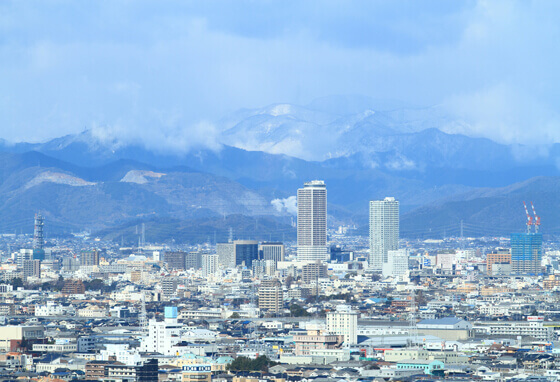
(314, 135)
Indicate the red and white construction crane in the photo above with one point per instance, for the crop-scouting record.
(537, 221)
(529, 218)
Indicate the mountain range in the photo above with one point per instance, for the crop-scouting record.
(82, 182)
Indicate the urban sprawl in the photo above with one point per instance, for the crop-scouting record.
(331, 307)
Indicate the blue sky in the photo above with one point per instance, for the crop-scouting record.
(156, 68)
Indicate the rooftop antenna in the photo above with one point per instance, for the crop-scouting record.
(529, 218)
(537, 221)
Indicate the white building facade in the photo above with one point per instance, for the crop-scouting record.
(344, 322)
(383, 231)
(397, 263)
(312, 222)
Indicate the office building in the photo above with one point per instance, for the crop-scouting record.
(271, 296)
(245, 251)
(23, 255)
(163, 335)
(383, 231)
(32, 268)
(259, 268)
(145, 372)
(175, 260)
(397, 263)
(209, 264)
(316, 339)
(270, 267)
(344, 322)
(169, 287)
(89, 258)
(272, 251)
(501, 256)
(526, 253)
(237, 253)
(446, 261)
(193, 260)
(95, 370)
(338, 255)
(197, 373)
(73, 287)
(313, 271)
(70, 264)
(262, 268)
(312, 222)
(226, 255)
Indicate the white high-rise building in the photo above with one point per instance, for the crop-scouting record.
(163, 335)
(312, 222)
(397, 263)
(23, 255)
(344, 321)
(209, 264)
(383, 231)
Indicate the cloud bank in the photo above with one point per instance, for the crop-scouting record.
(153, 70)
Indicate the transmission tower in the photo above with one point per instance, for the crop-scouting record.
(413, 329)
(143, 235)
(38, 239)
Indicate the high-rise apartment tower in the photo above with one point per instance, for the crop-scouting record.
(383, 231)
(312, 222)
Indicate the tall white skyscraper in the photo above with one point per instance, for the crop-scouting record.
(312, 222)
(383, 231)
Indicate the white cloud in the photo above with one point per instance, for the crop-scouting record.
(162, 137)
(288, 205)
(505, 115)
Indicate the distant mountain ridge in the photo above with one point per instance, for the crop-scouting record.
(84, 182)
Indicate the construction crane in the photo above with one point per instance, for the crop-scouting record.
(537, 218)
(529, 218)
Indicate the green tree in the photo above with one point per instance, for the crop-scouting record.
(16, 283)
(242, 363)
(297, 311)
(96, 284)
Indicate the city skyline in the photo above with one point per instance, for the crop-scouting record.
(279, 191)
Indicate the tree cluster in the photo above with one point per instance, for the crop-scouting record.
(297, 311)
(261, 363)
